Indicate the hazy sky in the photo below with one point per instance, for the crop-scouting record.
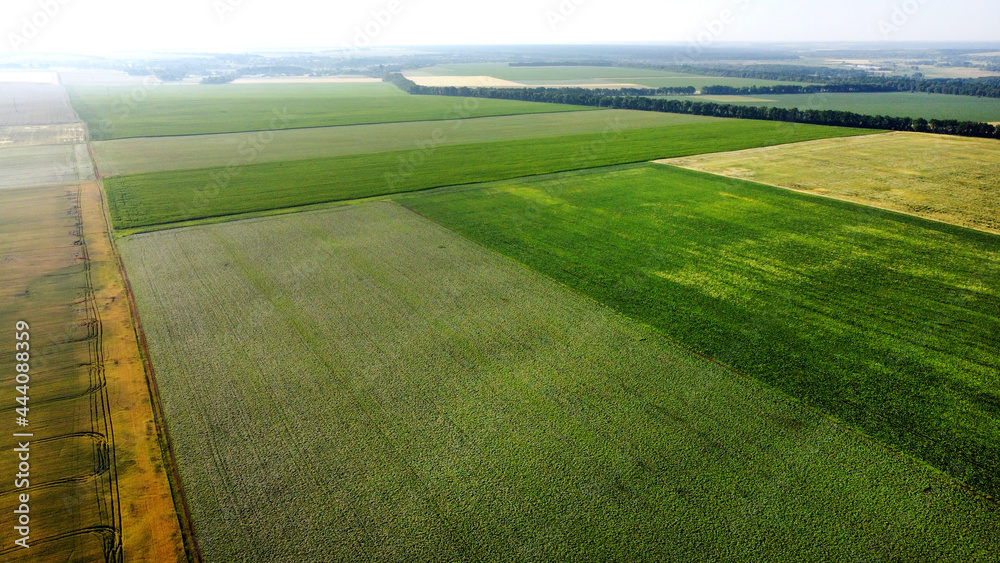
(101, 26)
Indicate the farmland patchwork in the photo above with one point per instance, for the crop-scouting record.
(362, 384)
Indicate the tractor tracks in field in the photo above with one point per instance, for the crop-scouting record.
(100, 470)
(192, 551)
(106, 479)
(101, 424)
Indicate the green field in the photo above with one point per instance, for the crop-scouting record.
(887, 322)
(895, 104)
(120, 112)
(360, 384)
(149, 154)
(157, 198)
(566, 75)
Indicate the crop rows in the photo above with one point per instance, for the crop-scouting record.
(884, 321)
(145, 200)
(151, 111)
(360, 384)
(152, 154)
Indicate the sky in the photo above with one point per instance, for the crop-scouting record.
(108, 26)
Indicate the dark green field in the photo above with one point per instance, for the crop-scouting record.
(118, 113)
(145, 200)
(886, 322)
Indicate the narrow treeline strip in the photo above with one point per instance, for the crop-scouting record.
(628, 100)
(859, 79)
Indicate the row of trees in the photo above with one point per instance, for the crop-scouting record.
(837, 80)
(980, 87)
(577, 96)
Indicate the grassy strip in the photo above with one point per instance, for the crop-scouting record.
(117, 113)
(151, 199)
(887, 322)
(363, 385)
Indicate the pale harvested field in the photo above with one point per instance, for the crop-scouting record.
(469, 81)
(35, 104)
(945, 178)
(45, 165)
(98, 77)
(44, 281)
(149, 154)
(35, 135)
(98, 487)
(27, 77)
(307, 80)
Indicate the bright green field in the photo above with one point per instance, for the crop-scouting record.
(561, 75)
(156, 198)
(149, 154)
(887, 322)
(116, 113)
(895, 104)
(364, 385)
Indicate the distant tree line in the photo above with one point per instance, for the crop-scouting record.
(219, 79)
(583, 97)
(835, 80)
(791, 89)
(783, 72)
(980, 87)
(562, 63)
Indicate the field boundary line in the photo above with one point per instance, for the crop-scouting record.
(100, 401)
(662, 162)
(188, 537)
(779, 392)
(229, 217)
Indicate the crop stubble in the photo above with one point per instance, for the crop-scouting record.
(950, 179)
(98, 490)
